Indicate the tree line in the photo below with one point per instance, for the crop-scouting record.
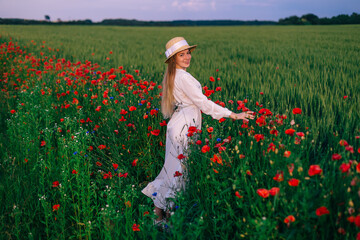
(312, 19)
(307, 19)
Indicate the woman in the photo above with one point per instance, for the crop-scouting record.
(182, 100)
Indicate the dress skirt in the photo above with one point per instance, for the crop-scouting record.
(172, 177)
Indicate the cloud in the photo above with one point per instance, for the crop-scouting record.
(257, 3)
(213, 5)
(194, 5)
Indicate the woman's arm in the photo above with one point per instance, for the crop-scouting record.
(187, 85)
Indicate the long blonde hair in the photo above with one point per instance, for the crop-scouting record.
(168, 99)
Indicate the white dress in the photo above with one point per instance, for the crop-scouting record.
(189, 101)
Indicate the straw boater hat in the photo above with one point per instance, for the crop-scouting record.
(175, 45)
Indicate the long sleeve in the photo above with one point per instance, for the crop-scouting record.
(192, 89)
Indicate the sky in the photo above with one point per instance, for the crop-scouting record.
(166, 10)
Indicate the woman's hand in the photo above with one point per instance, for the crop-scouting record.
(244, 116)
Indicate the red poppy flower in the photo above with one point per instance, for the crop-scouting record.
(287, 154)
(279, 176)
(261, 121)
(155, 132)
(122, 119)
(244, 125)
(56, 207)
(357, 221)
(358, 168)
(210, 129)
(102, 147)
(350, 149)
(217, 159)
(345, 167)
(274, 191)
(271, 147)
(259, 137)
(341, 231)
(212, 79)
(336, 156)
(123, 112)
(262, 192)
(289, 219)
(248, 172)
(293, 182)
(75, 101)
(136, 227)
(205, 149)
(237, 194)
(12, 111)
(290, 132)
(314, 170)
(266, 112)
(181, 156)
(177, 174)
(343, 142)
(296, 111)
(192, 129)
(55, 184)
(115, 166)
(153, 112)
(43, 143)
(74, 171)
(132, 108)
(351, 219)
(300, 134)
(123, 175)
(290, 168)
(274, 132)
(322, 211)
(134, 162)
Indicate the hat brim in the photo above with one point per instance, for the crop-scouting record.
(191, 48)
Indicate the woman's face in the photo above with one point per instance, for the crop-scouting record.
(182, 59)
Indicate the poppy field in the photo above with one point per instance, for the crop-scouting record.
(81, 133)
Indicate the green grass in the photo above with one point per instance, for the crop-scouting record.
(307, 67)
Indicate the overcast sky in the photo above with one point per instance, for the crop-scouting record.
(156, 10)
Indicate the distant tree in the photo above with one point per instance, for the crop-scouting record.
(355, 18)
(88, 21)
(342, 19)
(47, 18)
(292, 20)
(325, 21)
(311, 18)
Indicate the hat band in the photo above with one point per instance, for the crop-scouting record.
(174, 47)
